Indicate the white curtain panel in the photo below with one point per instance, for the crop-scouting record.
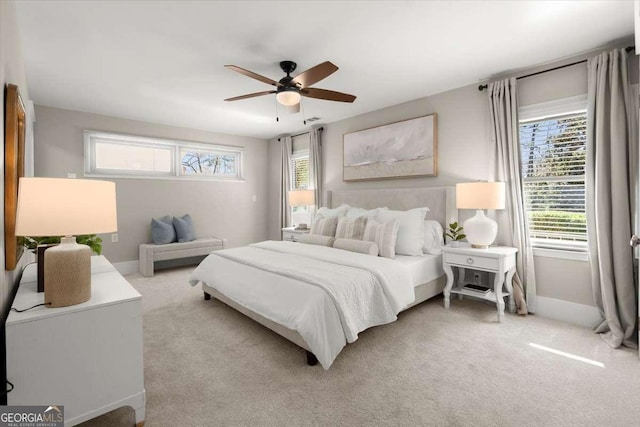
(503, 105)
(610, 173)
(285, 181)
(315, 164)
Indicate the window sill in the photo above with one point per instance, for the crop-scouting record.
(561, 254)
(165, 177)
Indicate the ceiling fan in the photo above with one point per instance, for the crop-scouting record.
(290, 89)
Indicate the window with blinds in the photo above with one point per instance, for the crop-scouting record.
(300, 172)
(553, 151)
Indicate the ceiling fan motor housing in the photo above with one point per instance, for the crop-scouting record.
(288, 67)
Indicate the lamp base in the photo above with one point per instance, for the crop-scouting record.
(481, 230)
(480, 246)
(67, 275)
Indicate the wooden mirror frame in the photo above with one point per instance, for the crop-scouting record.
(14, 138)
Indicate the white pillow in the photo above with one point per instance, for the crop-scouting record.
(433, 238)
(384, 235)
(358, 212)
(325, 212)
(368, 248)
(351, 228)
(410, 231)
(316, 239)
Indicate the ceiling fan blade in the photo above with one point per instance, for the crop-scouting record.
(250, 95)
(315, 74)
(329, 95)
(253, 75)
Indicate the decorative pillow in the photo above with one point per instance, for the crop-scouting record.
(410, 230)
(357, 212)
(184, 228)
(368, 248)
(162, 231)
(351, 228)
(433, 238)
(325, 212)
(384, 235)
(325, 226)
(316, 239)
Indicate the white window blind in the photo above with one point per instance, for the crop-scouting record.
(553, 151)
(300, 162)
(300, 172)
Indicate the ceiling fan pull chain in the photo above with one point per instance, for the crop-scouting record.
(304, 117)
(276, 101)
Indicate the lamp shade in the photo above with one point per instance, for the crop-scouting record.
(65, 207)
(480, 195)
(301, 197)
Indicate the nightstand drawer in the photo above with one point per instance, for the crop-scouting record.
(471, 261)
(291, 237)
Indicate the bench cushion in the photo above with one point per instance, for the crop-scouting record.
(194, 244)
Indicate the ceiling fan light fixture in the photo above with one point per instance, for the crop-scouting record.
(288, 97)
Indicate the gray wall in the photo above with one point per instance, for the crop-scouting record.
(11, 71)
(464, 154)
(218, 208)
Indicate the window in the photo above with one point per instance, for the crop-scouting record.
(553, 150)
(196, 162)
(108, 154)
(300, 171)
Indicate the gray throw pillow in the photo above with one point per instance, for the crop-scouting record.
(162, 231)
(184, 228)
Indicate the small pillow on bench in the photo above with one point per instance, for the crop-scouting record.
(184, 228)
(162, 231)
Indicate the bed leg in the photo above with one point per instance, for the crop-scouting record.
(311, 359)
(207, 296)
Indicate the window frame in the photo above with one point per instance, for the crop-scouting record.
(176, 146)
(573, 250)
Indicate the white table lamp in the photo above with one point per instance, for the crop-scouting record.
(66, 207)
(481, 230)
(301, 198)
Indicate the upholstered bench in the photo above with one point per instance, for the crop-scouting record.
(149, 253)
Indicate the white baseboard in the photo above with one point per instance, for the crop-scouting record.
(127, 267)
(565, 311)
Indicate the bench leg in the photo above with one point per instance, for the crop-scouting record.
(145, 261)
(207, 296)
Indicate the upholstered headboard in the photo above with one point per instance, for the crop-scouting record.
(441, 201)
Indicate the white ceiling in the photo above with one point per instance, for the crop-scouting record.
(163, 61)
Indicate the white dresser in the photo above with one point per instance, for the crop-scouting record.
(87, 357)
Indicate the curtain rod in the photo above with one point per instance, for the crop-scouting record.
(293, 136)
(483, 87)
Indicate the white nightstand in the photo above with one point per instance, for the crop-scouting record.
(292, 235)
(500, 260)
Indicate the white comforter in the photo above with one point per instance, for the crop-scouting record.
(327, 295)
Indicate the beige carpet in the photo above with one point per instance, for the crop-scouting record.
(208, 365)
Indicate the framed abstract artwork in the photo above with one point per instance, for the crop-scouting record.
(398, 150)
(14, 138)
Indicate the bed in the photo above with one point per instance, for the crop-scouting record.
(318, 297)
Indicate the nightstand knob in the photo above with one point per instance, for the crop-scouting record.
(469, 260)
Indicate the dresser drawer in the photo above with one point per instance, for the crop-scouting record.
(472, 261)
